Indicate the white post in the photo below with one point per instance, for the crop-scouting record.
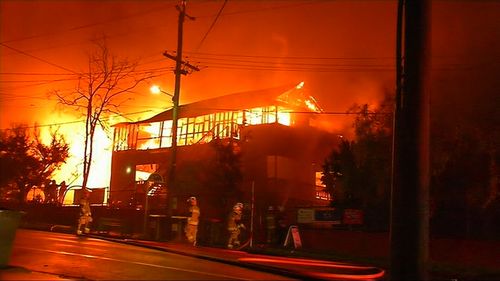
(252, 214)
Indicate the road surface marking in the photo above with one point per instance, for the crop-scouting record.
(134, 262)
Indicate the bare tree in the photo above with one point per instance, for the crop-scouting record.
(26, 161)
(99, 93)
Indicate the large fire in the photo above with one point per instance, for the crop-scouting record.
(153, 135)
(71, 171)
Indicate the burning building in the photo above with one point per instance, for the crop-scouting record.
(272, 132)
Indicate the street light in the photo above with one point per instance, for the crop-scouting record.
(155, 89)
(173, 156)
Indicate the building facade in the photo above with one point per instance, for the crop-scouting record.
(280, 152)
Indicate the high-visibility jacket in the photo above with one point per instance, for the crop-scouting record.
(85, 214)
(270, 221)
(234, 220)
(195, 215)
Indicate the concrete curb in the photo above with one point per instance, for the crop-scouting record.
(269, 269)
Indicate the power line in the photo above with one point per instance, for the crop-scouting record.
(212, 25)
(294, 69)
(33, 73)
(152, 10)
(142, 13)
(137, 71)
(38, 81)
(28, 86)
(75, 121)
(268, 9)
(289, 57)
(236, 61)
(155, 72)
(298, 112)
(292, 63)
(37, 58)
(19, 97)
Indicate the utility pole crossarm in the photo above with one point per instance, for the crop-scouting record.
(184, 63)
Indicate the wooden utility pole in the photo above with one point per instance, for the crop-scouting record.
(180, 69)
(175, 116)
(409, 229)
(177, 89)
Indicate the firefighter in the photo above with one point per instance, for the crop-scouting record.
(85, 214)
(271, 225)
(62, 191)
(234, 225)
(192, 221)
(282, 224)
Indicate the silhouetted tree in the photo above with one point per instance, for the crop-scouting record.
(191, 176)
(215, 179)
(358, 173)
(461, 182)
(464, 166)
(25, 160)
(373, 150)
(225, 173)
(340, 175)
(99, 93)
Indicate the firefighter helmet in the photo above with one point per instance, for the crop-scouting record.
(238, 206)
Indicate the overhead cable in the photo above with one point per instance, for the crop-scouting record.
(212, 25)
(37, 58)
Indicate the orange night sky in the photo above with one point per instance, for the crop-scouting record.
(342, 50)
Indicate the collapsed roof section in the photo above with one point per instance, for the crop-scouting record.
(290, 96)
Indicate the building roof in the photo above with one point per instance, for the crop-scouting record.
(290, 95)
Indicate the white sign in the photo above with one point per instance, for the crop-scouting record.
(293, 235)
(305, 215)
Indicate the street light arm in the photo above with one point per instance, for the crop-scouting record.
(156, 90)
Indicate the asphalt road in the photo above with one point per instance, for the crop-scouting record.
(72, 257)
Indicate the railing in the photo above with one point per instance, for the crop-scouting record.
(229, 131)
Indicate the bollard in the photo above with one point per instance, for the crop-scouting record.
(9, 221)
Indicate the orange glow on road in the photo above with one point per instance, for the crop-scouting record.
(355, 272)
(336, 276)
(279, 260)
